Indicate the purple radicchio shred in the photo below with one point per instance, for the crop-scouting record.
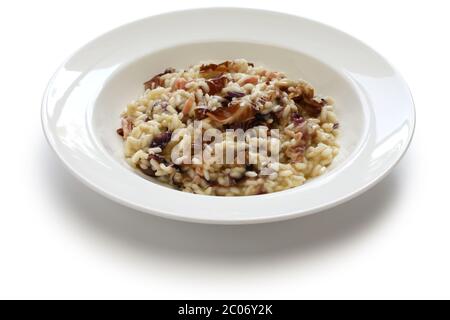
(158, 158)
(161, 140)
(149, 171)
(162, 104)
(120, 132)
(297, 119)
(336, 125)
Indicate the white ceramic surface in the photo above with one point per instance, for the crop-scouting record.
(81, 107)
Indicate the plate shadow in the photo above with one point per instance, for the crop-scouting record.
(229, 244)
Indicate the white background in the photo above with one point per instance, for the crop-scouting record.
(60, 240)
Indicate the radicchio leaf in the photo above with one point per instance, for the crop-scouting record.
(213, 70)
(216, 84)
(234, 94)
(156, 80)
(234, 113)
(297, 119)
(161, 140)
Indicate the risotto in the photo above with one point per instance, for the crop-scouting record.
(229, 129)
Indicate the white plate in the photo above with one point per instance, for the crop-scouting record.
(81, 107)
